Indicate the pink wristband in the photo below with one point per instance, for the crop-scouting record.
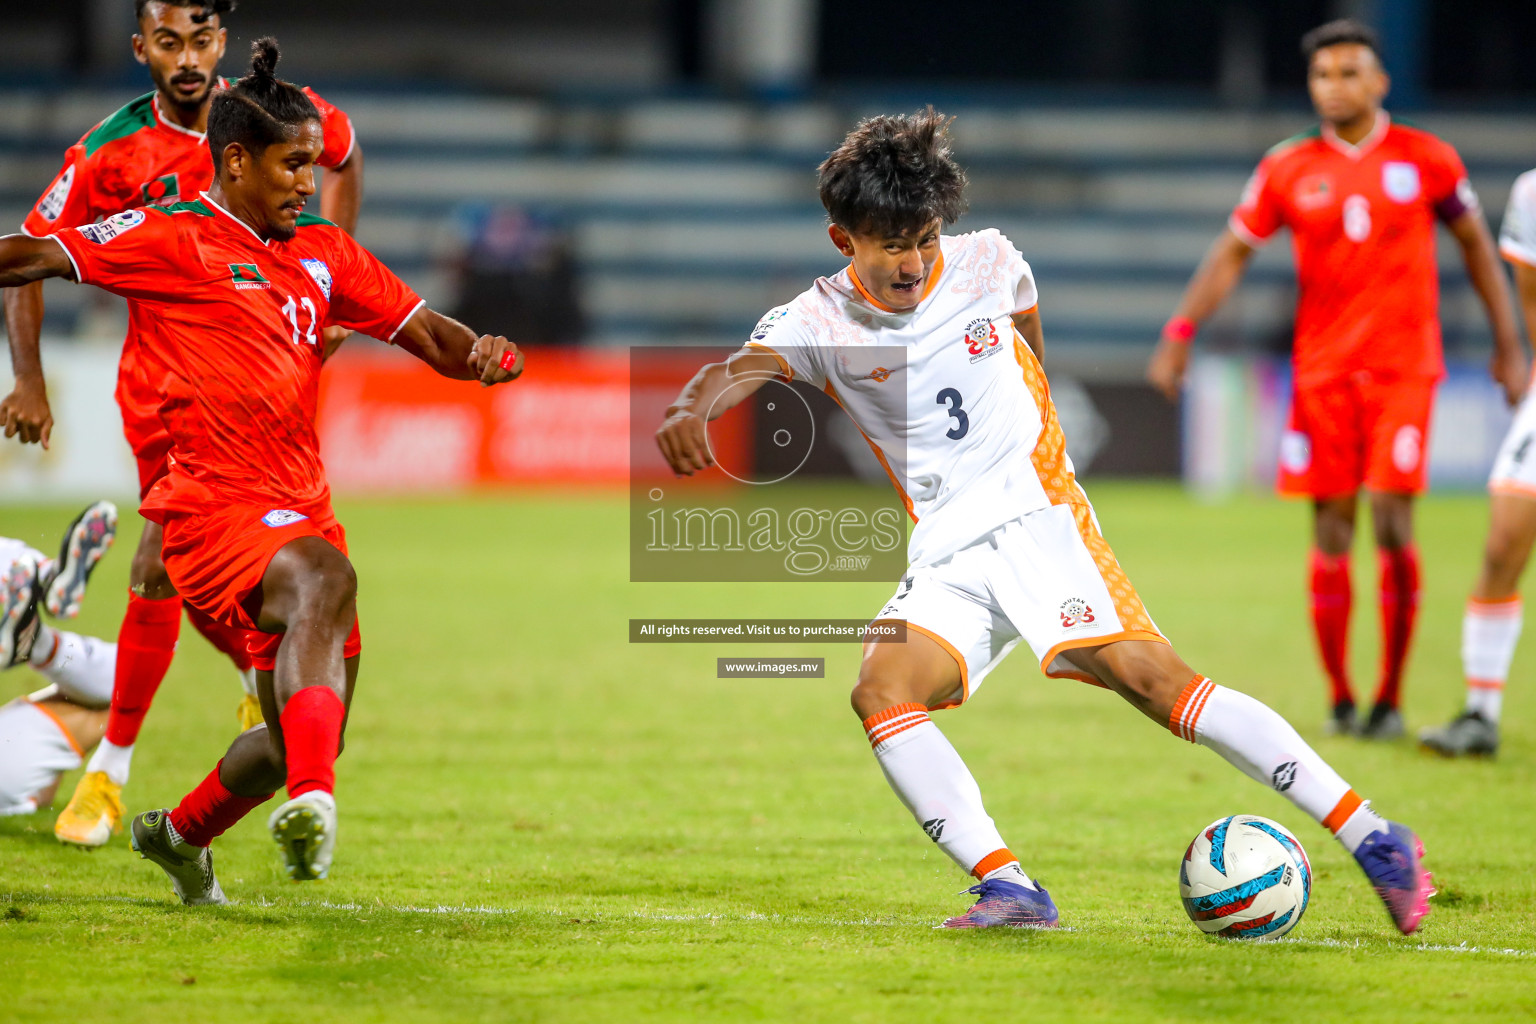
(1179, 329)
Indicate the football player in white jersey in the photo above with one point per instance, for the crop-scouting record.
(1005, 546)
(1490, 628)
(48, 733)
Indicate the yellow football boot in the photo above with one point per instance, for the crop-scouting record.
(94, 814)
(249, 712)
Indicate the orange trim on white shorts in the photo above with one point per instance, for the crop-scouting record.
(965, 674)
(56, 720)
(1093, 641)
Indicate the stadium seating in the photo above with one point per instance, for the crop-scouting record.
(692, 217)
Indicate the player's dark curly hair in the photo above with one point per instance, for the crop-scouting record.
(1339, 33)
(208, 8)
(260, 109)
(893, 174)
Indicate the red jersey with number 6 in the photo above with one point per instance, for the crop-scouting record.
(1362, 222)
(236, 324)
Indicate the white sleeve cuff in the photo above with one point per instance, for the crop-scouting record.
(1247, 237)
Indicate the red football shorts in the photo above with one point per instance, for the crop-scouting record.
(216, 560)
(1364, 430)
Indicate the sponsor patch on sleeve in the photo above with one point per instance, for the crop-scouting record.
(110, 228)
(52, 204)
(282, 517)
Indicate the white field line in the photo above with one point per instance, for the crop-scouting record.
(646, 915)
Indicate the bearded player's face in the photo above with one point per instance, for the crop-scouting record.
(182, 53)
(281, 179)
(1346, 82)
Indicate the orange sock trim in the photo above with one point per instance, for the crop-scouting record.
(1498, 607)
(882, 725)
(1348, 804)
(1485, 684)
(1186, 710)
(992, 861)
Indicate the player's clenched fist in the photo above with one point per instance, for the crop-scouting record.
(1169, 364)
(494, 360)
(25, 411)
(684, 443)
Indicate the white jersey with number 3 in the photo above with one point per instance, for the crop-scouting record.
(948, 394)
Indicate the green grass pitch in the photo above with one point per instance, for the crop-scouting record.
(541, 822)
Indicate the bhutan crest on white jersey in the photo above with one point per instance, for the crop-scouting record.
(981, 339)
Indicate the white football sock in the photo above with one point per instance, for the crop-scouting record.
(81, 666)
(1362, 821)
(1264, 747)
(112, 759)
(1489, 632)
(929, 777)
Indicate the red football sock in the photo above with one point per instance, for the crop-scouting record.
(211, 809)
(1399, 609)
(227, 639)
(311, 722)
(1331, 597)
(145, 646)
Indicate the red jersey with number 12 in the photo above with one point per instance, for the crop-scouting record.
(1362, 222)
(236, 324)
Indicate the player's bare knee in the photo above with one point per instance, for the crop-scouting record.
(328, 589)
(879, 689)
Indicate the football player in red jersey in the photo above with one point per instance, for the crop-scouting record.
(1361, 195)
(152, 151)
(232, 291)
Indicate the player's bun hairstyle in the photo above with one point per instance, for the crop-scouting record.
(208, 8)
(260, 109)
(1339, 33)
(893, 174)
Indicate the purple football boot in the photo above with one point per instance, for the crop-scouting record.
(1003, 904)
(1393, 861)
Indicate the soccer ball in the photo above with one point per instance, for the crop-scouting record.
(1245, 877)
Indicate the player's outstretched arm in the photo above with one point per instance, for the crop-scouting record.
(24, 260)
(1509, 367)
(24, 412)
(454, 350)
(716, 388)
(1218, 273)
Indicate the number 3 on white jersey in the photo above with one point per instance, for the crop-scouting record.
(291, 311)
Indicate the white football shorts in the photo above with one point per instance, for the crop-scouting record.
(1514, 469)
(1047, 578)
(34, 751)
